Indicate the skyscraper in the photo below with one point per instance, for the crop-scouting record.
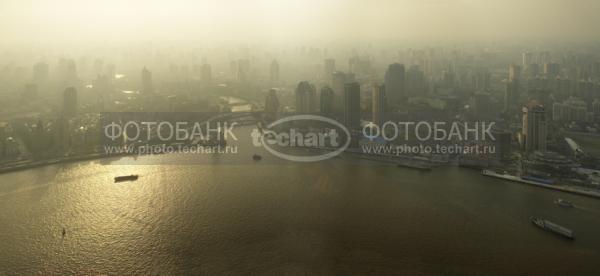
(352, 105)
(534, 127)
(379, 105)
(415, 82)
(327, 101)
(395, 83)
(551, 70)
(147, 85)
(514, 72)
(338, 83)
(271, 104)
(512, 92)
(274, 71)
(305, 97)
(69, 102)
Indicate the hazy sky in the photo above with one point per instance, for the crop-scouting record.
(294, 20)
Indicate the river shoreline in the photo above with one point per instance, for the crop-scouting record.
(53, 161)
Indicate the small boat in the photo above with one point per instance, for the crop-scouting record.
(564, 203)
(256, 157)
(552, 227)
(122, 178)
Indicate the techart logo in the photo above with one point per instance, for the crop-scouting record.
(326, 136)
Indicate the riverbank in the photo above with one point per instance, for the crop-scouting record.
(39, 163)
(542, 185)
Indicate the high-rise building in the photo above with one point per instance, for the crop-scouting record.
(379, 105)
(338, 84)
(415, 82)
(503, 144)
(274, 71)
(512, 92)
(552, 69)
(352, 105)
(534, 127)
(573, 109)
(271, 104)
(305, 97)
(147, 85)
(327, 101)
(69, 102)
(328, 69)
(514, 72)
(481, 79)
(395, 83)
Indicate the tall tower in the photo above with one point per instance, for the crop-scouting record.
(352, 105)
(534, 127)
(512, 92)
(527, 59)
(327, 101)
(395, 83)
(379, 105)
(338, 84)
(305, 97)
(415, 81)
(147, 85)
(271, 104)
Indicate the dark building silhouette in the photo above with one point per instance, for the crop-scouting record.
(305, 97)
(327, 101)
(395, 83)
(271, 105)
(352, 105)
(512, 93)
(415, 82)
(534, 127)
(379, 107)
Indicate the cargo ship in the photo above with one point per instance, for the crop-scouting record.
(122, 178)
(552, 227)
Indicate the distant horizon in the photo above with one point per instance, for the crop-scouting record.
(287, 22)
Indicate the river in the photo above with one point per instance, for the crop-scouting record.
(340, 216)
